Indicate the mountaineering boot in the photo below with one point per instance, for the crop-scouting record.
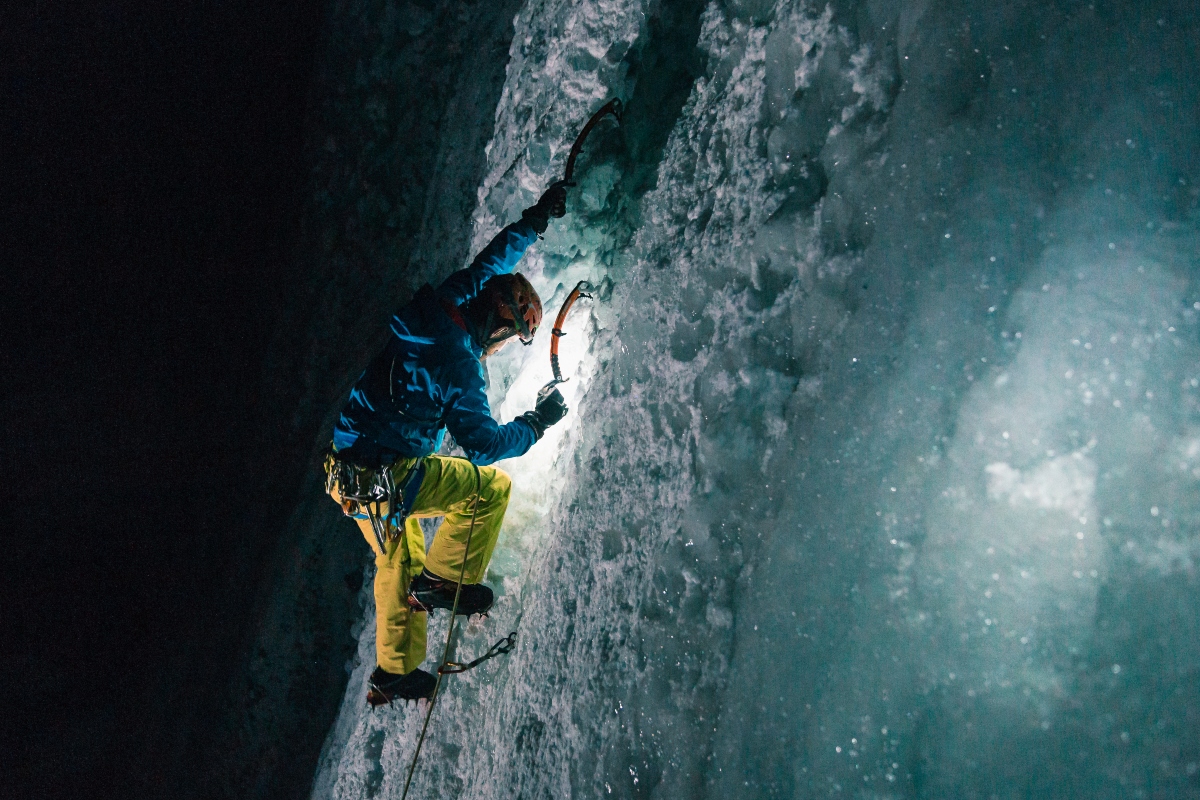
(384, 686)
(427, 592)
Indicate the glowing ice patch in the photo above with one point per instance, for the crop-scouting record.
(517, 375)
(1067, 483)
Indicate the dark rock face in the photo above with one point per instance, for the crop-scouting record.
(206, 242)
(152, 180)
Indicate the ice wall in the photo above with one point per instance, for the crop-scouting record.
(881, 474)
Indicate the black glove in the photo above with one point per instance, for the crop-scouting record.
(553, 203)
(549, 410)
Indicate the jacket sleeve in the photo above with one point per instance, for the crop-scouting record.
(499, 257)
(469, 420)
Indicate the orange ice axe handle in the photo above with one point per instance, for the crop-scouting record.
(582, 289)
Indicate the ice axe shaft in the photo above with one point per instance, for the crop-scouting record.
(611, 107)
(582, 289)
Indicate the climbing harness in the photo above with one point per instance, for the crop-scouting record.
(365, 491)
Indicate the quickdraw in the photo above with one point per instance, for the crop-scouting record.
(500, 648)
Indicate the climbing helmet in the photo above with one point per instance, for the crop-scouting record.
(516, 303)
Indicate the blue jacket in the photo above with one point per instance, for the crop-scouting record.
(429, 378)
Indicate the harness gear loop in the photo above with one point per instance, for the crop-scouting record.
(449, 634)
(500, 648)
(365, 490)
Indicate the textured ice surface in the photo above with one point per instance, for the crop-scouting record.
(881, 477)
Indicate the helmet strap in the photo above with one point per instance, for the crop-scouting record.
(479, 322)
(522, 327)
(485, 335)
(487, 328)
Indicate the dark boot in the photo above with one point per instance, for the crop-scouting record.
(384, 686)
(427, 592)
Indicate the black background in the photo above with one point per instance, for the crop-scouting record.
(153, 170)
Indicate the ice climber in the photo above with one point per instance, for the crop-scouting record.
(382, 468)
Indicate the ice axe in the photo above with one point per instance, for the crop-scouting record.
(583, 288)
(611, 107)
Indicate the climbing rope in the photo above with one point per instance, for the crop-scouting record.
(448, 667)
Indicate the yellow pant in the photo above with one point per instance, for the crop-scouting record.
(448, 489)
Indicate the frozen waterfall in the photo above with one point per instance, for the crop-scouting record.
(882, 472)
